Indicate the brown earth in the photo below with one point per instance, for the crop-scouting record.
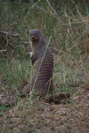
(37, 116)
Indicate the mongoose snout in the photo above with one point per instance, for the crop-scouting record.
(34, 38)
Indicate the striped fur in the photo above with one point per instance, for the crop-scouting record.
(42, 82)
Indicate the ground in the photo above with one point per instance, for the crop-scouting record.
(37, 116)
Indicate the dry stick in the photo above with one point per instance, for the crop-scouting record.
(3, 50)
(7, 40)
(78, 10)
(36, 6)
(71, 12)
(16, 42)
(52, 9)
(40, 66)
(80, 15)
(67, 51)
(7, 33)
(31, 74)
(78, 22)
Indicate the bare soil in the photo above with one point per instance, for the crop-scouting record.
(38, 116)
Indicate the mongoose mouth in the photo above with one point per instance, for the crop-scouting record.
(34, 38)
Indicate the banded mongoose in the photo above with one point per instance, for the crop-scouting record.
(42, 60)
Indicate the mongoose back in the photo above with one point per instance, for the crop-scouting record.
(42, 60)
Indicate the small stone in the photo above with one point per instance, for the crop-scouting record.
(62, 129)
(63, 113)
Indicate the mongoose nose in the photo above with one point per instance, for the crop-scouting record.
(33, 38)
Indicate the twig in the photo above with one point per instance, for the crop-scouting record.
(16, 42)
(9, 44)
(3, 50)
(7, 40)
(25, 42)
(7, 33)
(40, 65)
(40, 8)
(35, 3)
(52, 9)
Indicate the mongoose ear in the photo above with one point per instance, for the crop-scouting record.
(29, 32)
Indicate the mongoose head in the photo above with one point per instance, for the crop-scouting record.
(35, 35)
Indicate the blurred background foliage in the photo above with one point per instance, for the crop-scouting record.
(67, 21)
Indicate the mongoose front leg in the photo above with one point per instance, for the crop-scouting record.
(33, 58)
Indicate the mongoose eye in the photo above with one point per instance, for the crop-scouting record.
(31, 35)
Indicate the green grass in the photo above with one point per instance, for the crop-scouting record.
(14, 72)
(68, 71)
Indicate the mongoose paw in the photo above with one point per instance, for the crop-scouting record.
(30, 54)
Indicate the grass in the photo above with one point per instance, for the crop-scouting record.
(15, 71)
(70, 47)
(69, 71)
(30, 114)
